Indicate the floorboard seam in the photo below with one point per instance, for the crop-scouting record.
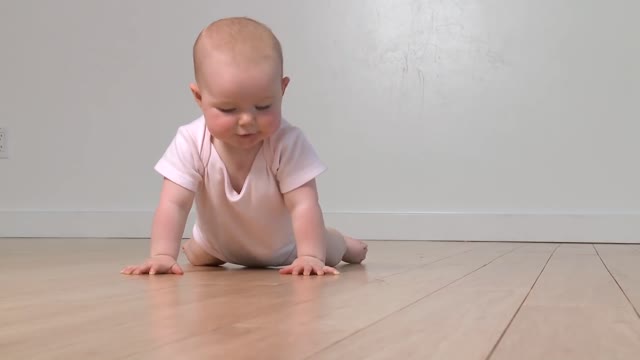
(427, 263)
(413, 302)
(495, 346)
(616, 281)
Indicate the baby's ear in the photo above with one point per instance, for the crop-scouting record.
(285, 82)
(196, 93)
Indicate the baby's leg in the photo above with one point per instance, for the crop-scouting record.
(344, 248)
(197, 256)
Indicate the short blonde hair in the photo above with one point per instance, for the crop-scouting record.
(235, 34)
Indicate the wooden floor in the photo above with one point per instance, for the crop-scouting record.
(65, 299)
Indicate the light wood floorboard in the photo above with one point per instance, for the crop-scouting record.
(461, 321)
(311, 326)
(576, 310)
(624, 265)
(65, 299)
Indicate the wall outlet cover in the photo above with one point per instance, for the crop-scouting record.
(4, 143)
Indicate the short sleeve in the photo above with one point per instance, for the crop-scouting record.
(181, 161)
(295, 160)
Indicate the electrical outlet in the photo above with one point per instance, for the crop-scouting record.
(4, 143)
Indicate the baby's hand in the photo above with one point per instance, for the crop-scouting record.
(159, 264)
(307, 265)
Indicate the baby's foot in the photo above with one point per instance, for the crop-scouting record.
(197, 256)
(356, 251)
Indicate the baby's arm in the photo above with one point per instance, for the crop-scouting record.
(309, 230)
(166, 233)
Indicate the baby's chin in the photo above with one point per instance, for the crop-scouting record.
(247, 142)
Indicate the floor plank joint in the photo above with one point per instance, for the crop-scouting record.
(65, 298)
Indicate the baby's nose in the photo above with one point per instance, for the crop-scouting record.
(246, 119)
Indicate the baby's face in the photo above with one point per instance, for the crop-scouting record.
(241, 103)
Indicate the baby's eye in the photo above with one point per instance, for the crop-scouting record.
(265, 107)
(230, 110)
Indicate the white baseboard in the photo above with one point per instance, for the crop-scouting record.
(536, 227)
(533, 227)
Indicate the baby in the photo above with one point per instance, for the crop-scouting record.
(250, 172)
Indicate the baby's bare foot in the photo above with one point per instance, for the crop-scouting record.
(197, 256)
(356, 251)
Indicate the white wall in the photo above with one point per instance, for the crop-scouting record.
(472, 120)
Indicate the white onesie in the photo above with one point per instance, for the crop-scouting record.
(252, 228)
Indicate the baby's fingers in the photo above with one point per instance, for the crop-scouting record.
(162, 269)
(307, 270)
(153, 269)
(297, 270)
(129, 269)
(142, 269)
(176, 269)
(325, 270)
(286, 270)
(330, 270)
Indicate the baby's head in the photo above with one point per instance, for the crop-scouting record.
(239, 81)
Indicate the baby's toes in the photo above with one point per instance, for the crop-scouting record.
(356, 251)
(365, 249)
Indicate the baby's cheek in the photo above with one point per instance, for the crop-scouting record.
(271, 119)
(219, 125)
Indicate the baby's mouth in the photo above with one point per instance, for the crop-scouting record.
(247, 136)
